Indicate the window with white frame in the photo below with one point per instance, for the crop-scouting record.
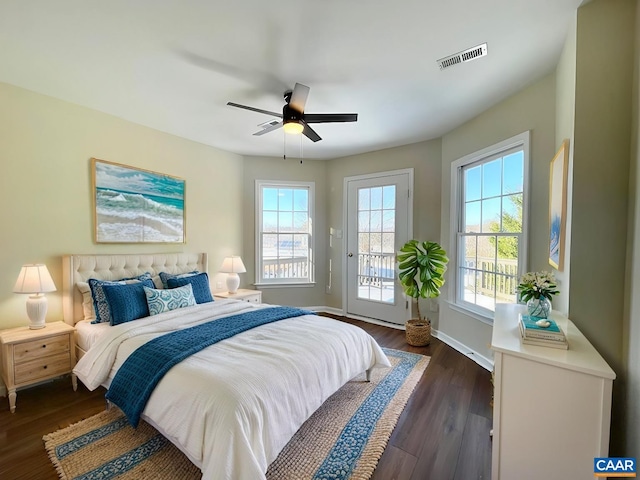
(284, 250)
(490, 220)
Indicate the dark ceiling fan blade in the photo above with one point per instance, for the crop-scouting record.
(310, 132)
(330, 117)
(269, 129)
(253, 109)
(299, 97)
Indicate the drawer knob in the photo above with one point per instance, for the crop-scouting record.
(44, 346)
(45, 367)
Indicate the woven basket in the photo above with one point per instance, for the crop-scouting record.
(418, 332)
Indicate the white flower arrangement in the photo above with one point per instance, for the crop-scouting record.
(537, 285)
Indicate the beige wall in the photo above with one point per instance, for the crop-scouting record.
(600, 94)
(531, 109)
(424, 158)
(45, 147)
(604, 60)
(631, 331)
(268, 168)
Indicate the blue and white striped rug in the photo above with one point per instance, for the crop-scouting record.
(344, 439)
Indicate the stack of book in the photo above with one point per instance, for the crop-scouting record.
(533, 334)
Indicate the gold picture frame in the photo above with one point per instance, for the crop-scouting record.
(558, 205)
(133, 205)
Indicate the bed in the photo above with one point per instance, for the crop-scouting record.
(234, 405)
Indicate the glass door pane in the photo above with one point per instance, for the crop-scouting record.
(376, 239)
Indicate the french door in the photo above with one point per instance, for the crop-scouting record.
(378, 222)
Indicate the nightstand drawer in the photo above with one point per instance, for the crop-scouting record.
(23, 352)
(43, 367)
(243, 294)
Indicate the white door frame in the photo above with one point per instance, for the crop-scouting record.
(345, 223)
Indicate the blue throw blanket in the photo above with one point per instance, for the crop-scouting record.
(140, 373)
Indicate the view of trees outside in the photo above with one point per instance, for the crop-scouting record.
(493, 198)
(508, 246)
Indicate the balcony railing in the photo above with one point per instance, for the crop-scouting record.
(379, 270)
(291, 267)
(376, 269)
(500, 276)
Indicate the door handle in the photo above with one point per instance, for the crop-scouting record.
(350, 254)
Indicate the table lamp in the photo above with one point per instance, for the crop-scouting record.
(35, 280)
(233, 266)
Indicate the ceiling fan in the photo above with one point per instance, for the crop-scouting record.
(294, 119)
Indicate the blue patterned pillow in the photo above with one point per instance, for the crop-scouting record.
(164, 276)
(127, 302)
(100, 304)
(160, 301)
(200, 284)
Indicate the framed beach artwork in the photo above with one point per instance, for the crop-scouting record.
(558, 205)
(133, 205)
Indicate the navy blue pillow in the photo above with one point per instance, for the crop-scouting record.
(127, 302)
(100, 305)
(199, 284)
(164, 276)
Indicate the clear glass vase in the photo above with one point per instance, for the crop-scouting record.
(539, 307)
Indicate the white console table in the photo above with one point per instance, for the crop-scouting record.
(552, 407)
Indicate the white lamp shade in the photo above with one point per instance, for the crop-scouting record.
(233, 265)
(34, 278)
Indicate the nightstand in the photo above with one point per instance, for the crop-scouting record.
(251, 296)
(31, 356)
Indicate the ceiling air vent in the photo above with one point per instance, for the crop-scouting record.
(464, 56)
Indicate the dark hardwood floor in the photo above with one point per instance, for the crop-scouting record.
(442, 434)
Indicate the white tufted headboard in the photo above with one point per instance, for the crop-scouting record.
(79, 268)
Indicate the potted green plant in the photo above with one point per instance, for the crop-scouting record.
(421, 273)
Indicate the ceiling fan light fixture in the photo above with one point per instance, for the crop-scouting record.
(294, 120)
(294, 128)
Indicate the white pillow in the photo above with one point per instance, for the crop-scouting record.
(87, 301)
(157, 281)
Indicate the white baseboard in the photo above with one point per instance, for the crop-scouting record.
(331, 310)
(481, 360)
(337, 311)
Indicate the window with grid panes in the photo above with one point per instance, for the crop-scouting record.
(284, 227)
(491, 226)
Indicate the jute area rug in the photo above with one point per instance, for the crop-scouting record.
(344, 439)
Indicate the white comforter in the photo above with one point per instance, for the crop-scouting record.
(232, 407)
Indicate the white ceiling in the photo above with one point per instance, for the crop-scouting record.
(173, 65)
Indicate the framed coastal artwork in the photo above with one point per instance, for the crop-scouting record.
(133, 205)
(558, 205)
